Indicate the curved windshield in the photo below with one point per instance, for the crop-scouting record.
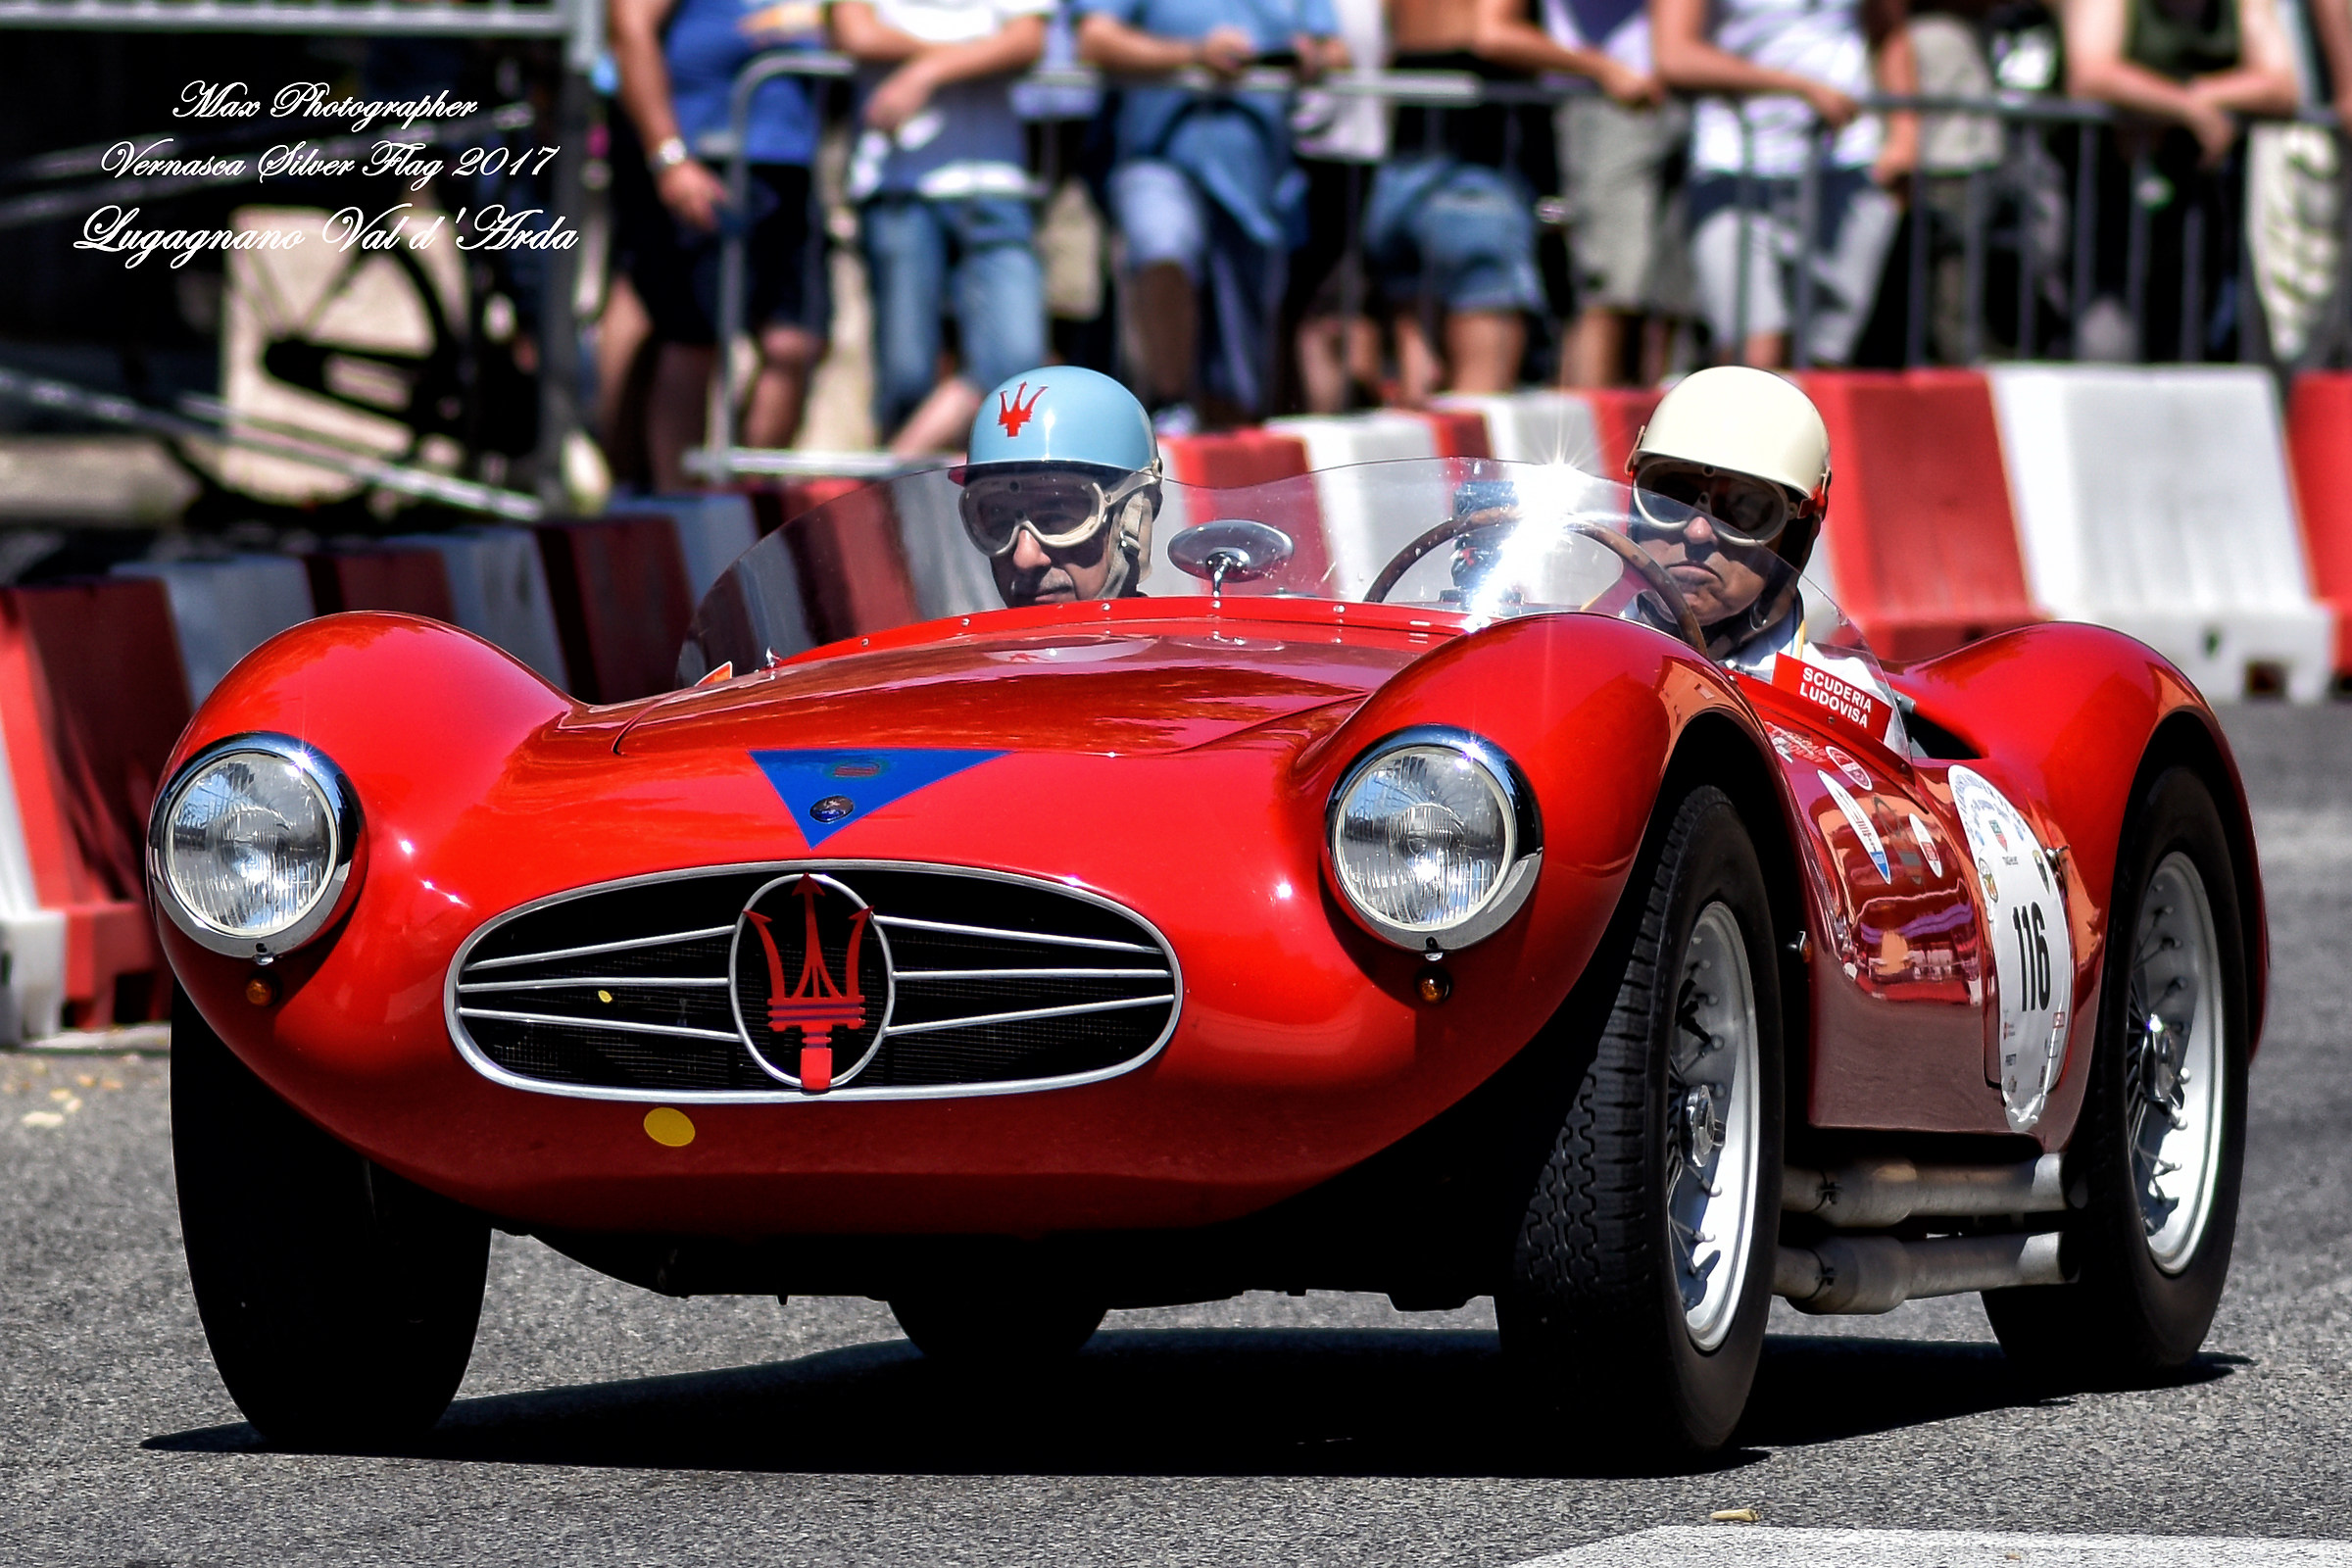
(1474, 538)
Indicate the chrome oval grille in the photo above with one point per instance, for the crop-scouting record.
(627, 990)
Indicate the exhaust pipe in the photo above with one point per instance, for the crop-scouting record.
(1878, 1273)
(1874, 1193)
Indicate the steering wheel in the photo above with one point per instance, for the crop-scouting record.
(1631, 554)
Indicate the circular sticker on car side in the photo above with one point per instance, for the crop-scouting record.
(2033, 960)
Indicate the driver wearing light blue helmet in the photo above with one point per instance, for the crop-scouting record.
(1060, 486)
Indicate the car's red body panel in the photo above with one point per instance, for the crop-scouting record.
(1176, 759)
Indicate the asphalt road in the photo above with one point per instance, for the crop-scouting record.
(599, 1424)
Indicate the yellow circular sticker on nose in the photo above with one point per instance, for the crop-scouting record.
(668, 1128)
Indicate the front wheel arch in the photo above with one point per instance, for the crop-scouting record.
(2191, 738)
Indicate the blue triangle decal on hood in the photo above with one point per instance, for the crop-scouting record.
(829, 789)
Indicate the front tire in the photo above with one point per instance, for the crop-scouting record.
(340, 1301)
(1641, 1278)
(2161, 1144)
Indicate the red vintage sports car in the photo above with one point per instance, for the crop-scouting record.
(1402, 895)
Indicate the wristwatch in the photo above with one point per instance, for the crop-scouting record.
(670, 154)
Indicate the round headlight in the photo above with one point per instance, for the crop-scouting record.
(251, 846)
(1434, 839)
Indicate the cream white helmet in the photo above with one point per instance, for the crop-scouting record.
(1735, 420)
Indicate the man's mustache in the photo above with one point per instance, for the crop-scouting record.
(1045, 580)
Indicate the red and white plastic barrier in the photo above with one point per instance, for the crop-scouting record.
(92, 700)
(497, 591)
(1537, 426)
(223, 610)
(2319, 440)
(2155, 500)
(33, 939)
(1236, 459)
(1921, 531)
(619, 587)
(1367, 518)
(397, 577)
(714, 528)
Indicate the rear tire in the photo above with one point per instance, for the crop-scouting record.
(1641, 1277)
(340, 1300)
(2150, 1248)
(996, 1330)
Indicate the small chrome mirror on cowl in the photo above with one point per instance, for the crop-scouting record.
(1230, 550)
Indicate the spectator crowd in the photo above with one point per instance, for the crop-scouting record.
(1231, 251)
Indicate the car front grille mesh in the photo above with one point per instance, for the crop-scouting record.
(624, 990)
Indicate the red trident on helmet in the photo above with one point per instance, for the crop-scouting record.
(816, 1005)
(1014, 413)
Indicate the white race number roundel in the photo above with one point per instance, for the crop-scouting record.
(2033, 958)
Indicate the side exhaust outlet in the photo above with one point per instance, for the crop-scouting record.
(1878, 1273)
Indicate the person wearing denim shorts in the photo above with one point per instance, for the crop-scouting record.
(1204, 191)
(679, 59)
(940, 175)
(1450, 229)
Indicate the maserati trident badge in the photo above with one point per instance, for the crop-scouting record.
(810, 979)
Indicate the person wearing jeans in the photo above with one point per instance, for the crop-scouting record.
(1204, 191)
(1774, 70)
(939, 172)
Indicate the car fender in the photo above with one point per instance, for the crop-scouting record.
(2076, 716)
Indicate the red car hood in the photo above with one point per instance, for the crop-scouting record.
(1118, 693)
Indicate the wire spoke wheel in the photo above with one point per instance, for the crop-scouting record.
(1711, 1143)
(2156, 1156)
(1641, 1275)
(2173, 1056)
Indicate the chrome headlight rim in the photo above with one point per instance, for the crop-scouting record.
(344, 863)
(1523, 854)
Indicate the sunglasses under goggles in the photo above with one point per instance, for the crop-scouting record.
(1741, 510)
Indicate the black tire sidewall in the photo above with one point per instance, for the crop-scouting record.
(2158, 1320)
(340, 1301)
(1719, 865)
(1591, 1308)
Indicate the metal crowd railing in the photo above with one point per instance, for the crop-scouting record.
(2026, 121)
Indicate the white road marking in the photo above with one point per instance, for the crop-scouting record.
(1731, 1545)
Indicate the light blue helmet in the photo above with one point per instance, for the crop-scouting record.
(1087, 426)
(1062, 413)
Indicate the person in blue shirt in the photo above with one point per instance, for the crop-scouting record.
(1203, 190)
(679, 59)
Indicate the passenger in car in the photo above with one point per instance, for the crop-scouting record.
(1061, 487)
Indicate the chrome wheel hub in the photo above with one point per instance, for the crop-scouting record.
(2173, 1112)
(1713, 1126)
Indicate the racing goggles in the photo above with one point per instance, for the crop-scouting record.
(1063, 510)
(1741, 508)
